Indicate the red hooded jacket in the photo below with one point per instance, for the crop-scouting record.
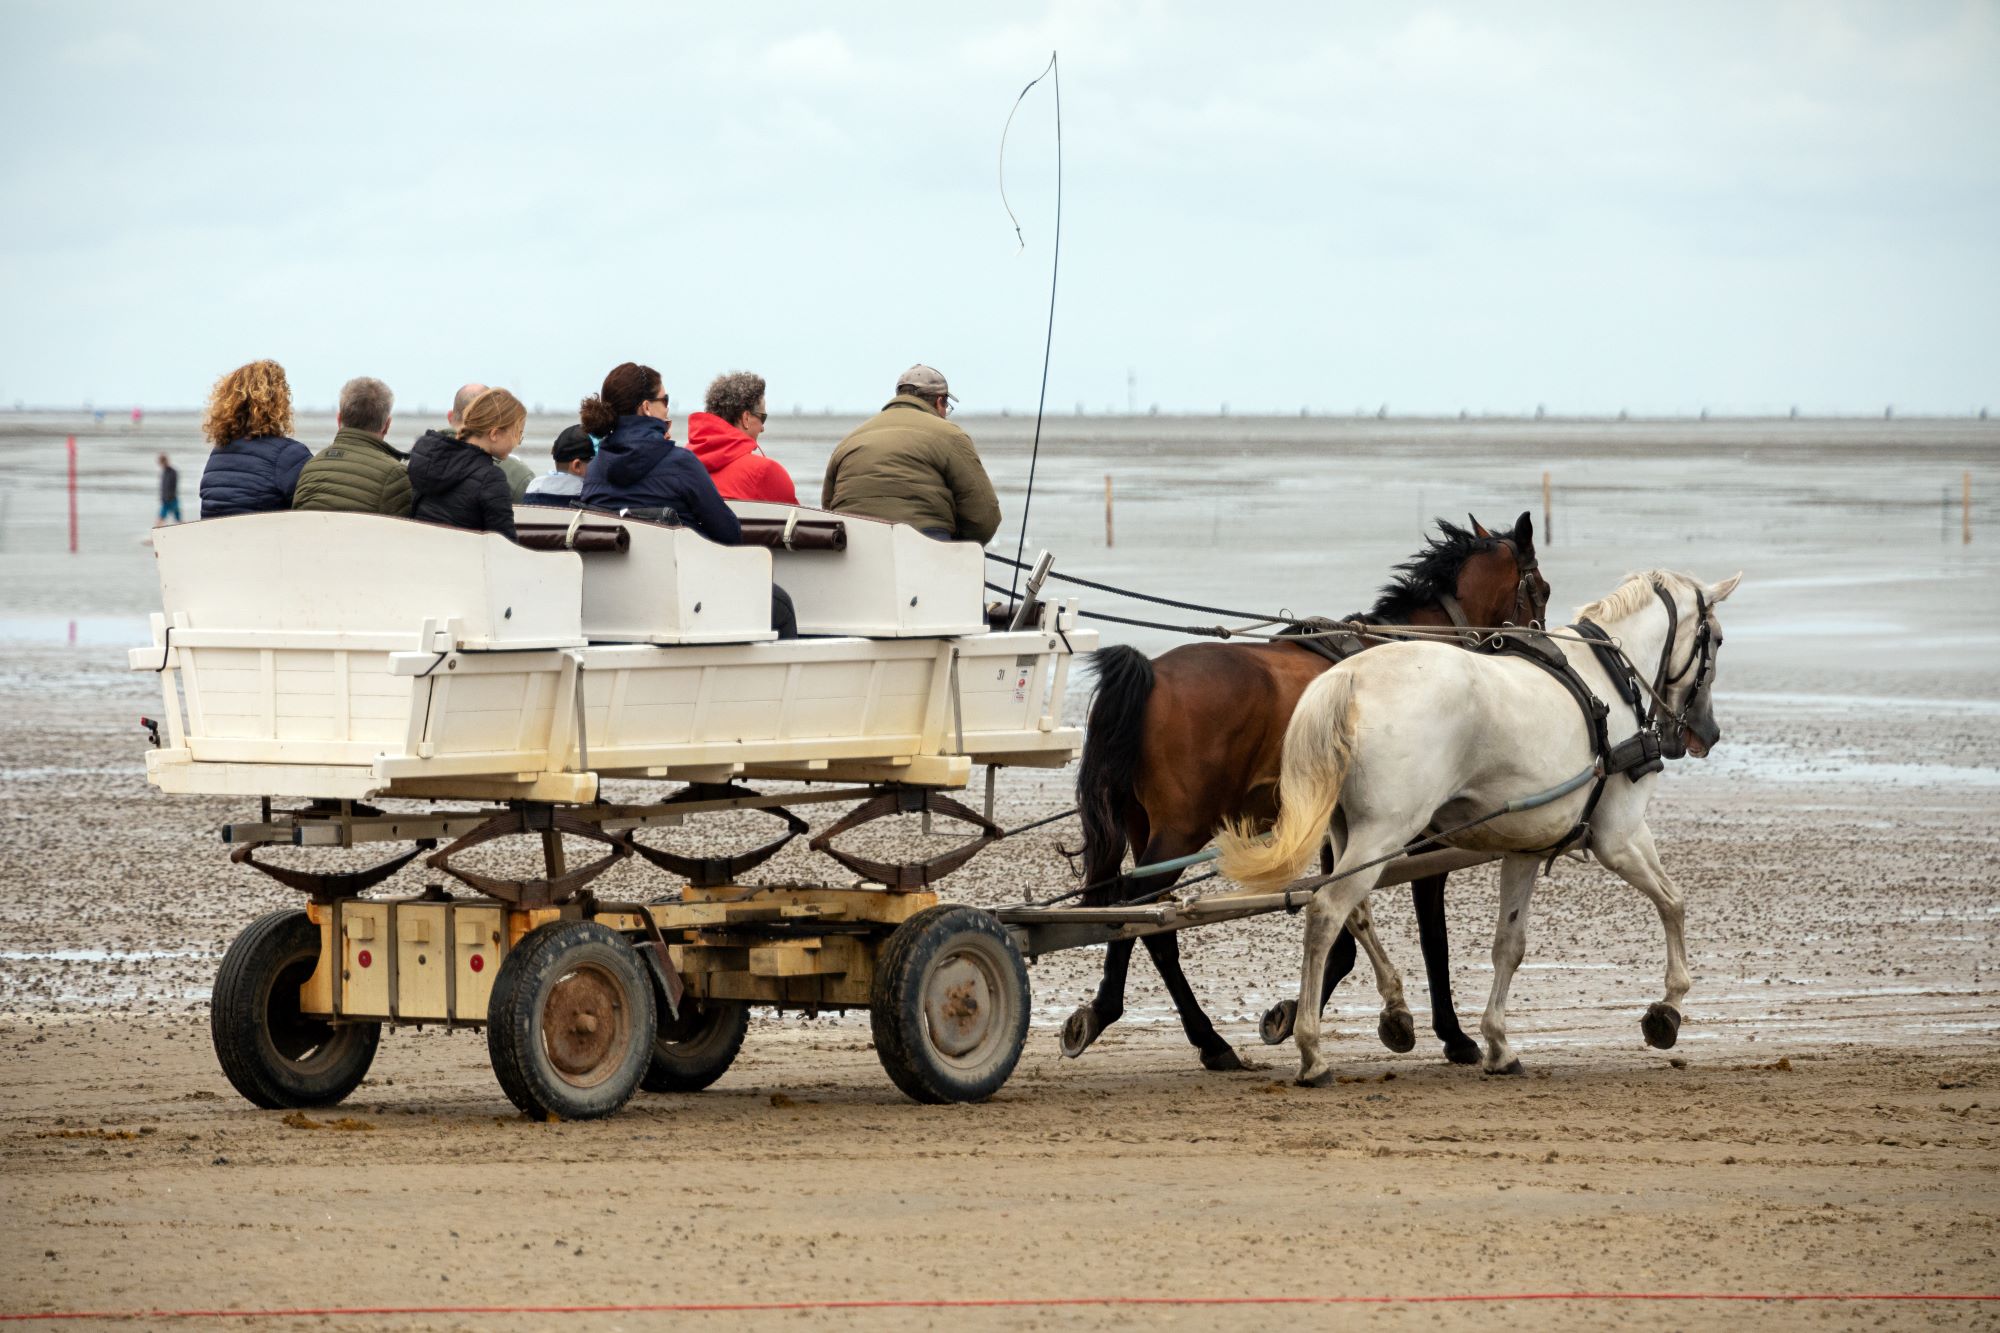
(733, 463)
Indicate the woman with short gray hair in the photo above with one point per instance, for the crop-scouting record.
(724, 438)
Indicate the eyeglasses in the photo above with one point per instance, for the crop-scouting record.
(759, 413)
(660, 398)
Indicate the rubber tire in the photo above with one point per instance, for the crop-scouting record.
(902, 1033)
(514, 1037)
(262, 971)
(711, 1035)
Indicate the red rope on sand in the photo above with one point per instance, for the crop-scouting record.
(998, 1302)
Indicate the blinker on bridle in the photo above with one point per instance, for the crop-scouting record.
(1526, 600)
(1701, 660)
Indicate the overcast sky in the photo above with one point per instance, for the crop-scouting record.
(1589, 206)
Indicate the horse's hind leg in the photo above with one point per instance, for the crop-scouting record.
(1280, 1017)
(1396, 1028)
(1088, 1023)
(1330, 906)
(1428, 895)
(1637, 862)
(1216, 1054)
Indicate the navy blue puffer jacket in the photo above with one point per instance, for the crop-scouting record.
(253, 476)
(638, 467)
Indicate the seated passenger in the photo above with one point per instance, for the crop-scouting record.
(518, 474)
(360, 472)
(457, 480)
(724, 438)
(639, 466)
(255, 464)
(573, 451)
(907, 464)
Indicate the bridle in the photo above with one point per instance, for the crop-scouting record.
(1700, 660)
(1530, 604)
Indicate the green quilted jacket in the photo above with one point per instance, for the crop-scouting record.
(357, 473)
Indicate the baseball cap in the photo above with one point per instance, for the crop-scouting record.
(572, 444)
(926, 381)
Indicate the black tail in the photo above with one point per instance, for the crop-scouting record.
(1111, 746)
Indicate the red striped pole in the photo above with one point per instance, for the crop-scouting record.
(72, 495)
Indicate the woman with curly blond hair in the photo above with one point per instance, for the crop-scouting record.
(254, 465)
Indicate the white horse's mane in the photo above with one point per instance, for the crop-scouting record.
(1633, 595)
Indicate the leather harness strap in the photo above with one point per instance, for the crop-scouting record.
(1614, 667)
(1637, 755)
(1546, 655)
(1335, 648)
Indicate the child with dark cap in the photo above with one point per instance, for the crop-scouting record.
(573, 451)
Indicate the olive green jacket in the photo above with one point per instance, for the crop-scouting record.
(518, 474)
(907, 464)
(357, 473)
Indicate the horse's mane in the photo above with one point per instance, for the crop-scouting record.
(1634, 594)
(1429, 574)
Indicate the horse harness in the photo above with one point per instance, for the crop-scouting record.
(1338, 647)
(1659, 735)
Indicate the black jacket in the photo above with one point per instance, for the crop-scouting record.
(459, 485)
(638, 467)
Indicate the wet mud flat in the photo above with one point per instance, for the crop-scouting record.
(1830, 1125)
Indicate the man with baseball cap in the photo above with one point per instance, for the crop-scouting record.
(573, 451)
(908, 464)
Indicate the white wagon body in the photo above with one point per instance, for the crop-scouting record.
(351, 655)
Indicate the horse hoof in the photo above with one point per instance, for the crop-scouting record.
(1079, 1030)
(1464, 1051)
(1662, 1026)
(1512, 1067)
(1323, 1079)
(1397, 1030)
(1278, 1020)
(1222, 1060)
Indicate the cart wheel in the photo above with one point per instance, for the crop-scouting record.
(570, 1021)
(274, 1055)
(950, 1005)
(697, 1048)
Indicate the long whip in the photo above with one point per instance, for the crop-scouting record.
(1055, 265)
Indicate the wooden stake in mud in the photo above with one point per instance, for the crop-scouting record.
(1965, 508)
(1548, 515)
(73, 493)
(1107, 507)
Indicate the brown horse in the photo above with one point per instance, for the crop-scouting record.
(1176, 747)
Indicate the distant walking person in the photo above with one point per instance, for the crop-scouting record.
(724, 438)
(254, 465)
(453, 477)
(170, 493)
(907, 464)
(359, 473)
(518, 474)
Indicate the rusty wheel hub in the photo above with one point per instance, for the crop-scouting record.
(585, 1026)
(959, 1004)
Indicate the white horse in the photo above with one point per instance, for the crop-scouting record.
(1417, 736)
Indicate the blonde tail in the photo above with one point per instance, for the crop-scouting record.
(1319, 747)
